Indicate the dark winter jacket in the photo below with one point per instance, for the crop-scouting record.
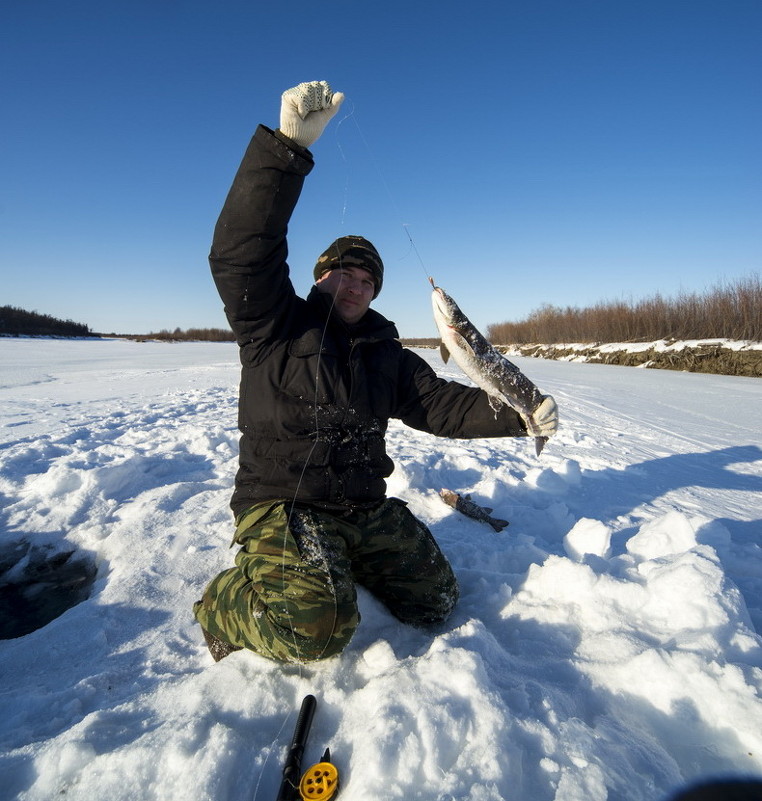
(315, 394)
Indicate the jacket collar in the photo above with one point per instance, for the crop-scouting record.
(372, 326)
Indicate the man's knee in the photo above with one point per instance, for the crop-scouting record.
(444, 596)
(409, 573)
(325, 633)
(294, 631)
(431, 602)
(309, 627)
(302, 600)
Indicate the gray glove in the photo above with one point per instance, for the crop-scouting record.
(545, 418)
(306, 109)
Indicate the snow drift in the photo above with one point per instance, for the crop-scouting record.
(605, 645)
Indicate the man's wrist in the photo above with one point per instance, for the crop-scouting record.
(289, 142)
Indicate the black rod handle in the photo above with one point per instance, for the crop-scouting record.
(292, 770)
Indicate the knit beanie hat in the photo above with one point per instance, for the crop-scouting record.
(351, 251)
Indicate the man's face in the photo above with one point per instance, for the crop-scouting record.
(352, 290)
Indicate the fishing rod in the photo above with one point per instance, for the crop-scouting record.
(292, 770)
(318, 783)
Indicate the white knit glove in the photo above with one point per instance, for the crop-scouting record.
(545, 418)
(306, 109)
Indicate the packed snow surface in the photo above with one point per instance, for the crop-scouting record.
(605, 645)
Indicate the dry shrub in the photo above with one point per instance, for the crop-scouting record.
(191, 335)
(730, 310)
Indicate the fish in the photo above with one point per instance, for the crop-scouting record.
(483, 364)
(469, 508)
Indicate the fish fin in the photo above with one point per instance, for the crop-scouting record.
(444, 353)
(467, 346)
(487, 509)
(539, 444)
(498, 524)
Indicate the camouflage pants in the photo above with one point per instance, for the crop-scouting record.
(291, 595)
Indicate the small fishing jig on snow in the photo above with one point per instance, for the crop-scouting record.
(469, 508)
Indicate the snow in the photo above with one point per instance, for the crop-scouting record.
(605, 645)
(659, 345)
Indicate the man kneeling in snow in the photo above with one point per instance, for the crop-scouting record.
(321, 377)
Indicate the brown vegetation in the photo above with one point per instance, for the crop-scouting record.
(189, 335)
(728, 311)
(420, 342)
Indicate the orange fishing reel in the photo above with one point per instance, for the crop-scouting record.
(321, 781)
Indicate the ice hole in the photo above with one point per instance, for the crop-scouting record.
(38, 584)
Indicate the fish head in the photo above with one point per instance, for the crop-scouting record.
(446, 311)
(449, 497)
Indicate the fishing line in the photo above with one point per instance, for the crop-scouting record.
(385, 184)
(308, 459)
(316, 540)
(346, 163)
(316, 433)
(415, 249)
(291, 509)
(317, 428)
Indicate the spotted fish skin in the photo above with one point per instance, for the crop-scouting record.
(469, 508)
(483, 364)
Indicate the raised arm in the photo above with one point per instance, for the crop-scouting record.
(249, 250)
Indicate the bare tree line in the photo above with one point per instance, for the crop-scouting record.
(730, 310)
(190, 335)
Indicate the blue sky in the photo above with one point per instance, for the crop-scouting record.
(552, 151)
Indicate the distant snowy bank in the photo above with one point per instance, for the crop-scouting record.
(718, 356)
